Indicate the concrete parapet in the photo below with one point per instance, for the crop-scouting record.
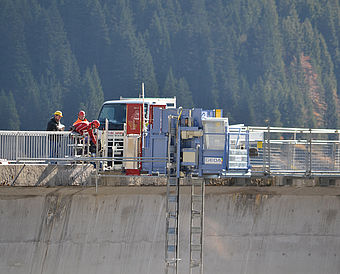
(65, 175)
(114, 179)
(46, 175)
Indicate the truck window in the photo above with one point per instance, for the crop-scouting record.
(116, 115)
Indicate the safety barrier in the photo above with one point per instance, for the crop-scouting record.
(273, 150)
(112, 144)
(295, 151)
(41, 146)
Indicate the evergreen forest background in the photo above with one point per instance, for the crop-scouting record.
(262, 61)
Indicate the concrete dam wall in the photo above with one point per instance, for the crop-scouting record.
(121, 230)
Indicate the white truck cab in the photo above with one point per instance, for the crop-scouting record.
(122, 123)
(115, 111)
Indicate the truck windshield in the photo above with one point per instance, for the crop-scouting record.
(116, 115)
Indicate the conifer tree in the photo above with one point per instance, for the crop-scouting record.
(169, 89)
(184, 95)
(92, 93)
(253, 58)
(9, 118)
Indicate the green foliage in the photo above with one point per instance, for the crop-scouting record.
(92, 94)
(179, 88)
(9, 118)
(261, 61)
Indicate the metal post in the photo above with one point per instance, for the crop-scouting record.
(338, 152)
(16, 146)
(310, 151)
(268, 143)
(96, 176)
(264, 154)
(47, 146)
(105, 143)
(333, 156)
(97, 164)
(294, 145)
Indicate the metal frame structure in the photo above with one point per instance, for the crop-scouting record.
(284, 151)
(295, 151)
(172, 198)
(33, 146)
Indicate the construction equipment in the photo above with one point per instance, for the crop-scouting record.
(206, 146)
(195, 143)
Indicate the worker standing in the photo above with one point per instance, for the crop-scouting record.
(54, 124)
(55, 139)
(81, 117)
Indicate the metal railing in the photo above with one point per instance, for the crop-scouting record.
(295, 151)
(112, 143)
(288, 151)
(41, 146)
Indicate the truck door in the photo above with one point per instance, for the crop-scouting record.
(134, 121)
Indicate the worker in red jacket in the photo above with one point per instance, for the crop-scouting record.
(85, 126)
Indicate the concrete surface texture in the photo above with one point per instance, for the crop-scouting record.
(46, 175)
(78, 174)
(248, 230)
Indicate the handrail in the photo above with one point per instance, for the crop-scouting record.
(302, 153)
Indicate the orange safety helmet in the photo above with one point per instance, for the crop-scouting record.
(96, 123)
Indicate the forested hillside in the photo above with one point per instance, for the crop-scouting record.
(263, 61)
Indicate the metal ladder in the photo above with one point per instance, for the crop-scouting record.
(196, 225)
(172, 206)
(172, 224)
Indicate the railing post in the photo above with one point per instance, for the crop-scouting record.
(310, 151)
(309, 154)
(16, 146)
(45, 155)
(268, 143)
(264, 153)
(337, 152)
(289, 156)
(333, 156)
(97, 174)
(294, 145)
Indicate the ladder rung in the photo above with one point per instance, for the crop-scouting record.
(172, 198)
(171, 230)
(172, 260)
(196, 213)
(194, 263)
(171, 248)
(196, 197)
(196, 247)
(196, 229)
(172, 214)
(172, 182)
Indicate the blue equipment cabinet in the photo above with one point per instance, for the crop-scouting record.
(195, 143)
